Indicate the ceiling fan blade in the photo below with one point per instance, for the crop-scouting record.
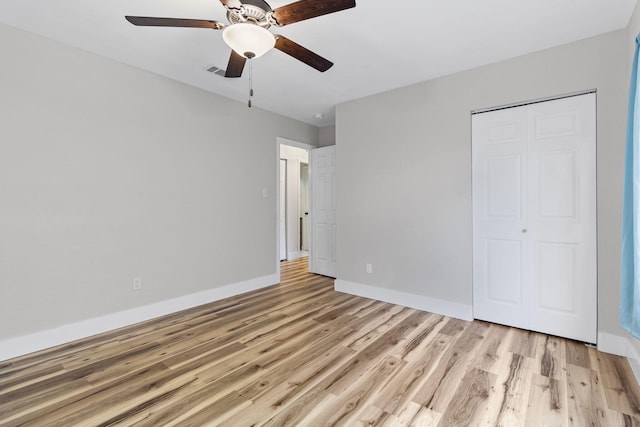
(235, 65)
(147, 21)
(306, 9)
(302, 54)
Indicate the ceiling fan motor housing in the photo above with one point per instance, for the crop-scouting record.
(250, 13)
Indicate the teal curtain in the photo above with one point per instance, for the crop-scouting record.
(630, 271)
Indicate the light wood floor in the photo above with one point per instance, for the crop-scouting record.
(301, 354)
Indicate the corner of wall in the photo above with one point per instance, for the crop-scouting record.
(327, 136)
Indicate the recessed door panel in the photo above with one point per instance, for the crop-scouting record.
(556, 276)
(323, 246)
(501, 133)
(557, 181)
(504, 271)
(503, 186)
(556, 125)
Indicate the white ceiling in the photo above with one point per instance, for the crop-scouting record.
(377, 46)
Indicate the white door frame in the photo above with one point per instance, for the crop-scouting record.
(282, 212)
(297, 144)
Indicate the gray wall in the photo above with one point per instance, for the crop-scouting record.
(108, 173)
(404, 169)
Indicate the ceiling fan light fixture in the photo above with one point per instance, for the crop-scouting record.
(248, 40)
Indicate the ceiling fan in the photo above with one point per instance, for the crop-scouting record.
(248, 34)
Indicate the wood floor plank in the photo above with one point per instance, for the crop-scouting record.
(547, 403)
(454, 327)
(425, 417)
(437, 392)
(493, 350)
(377, 323)
(400, 391)
(79, 407)
(348, 406)
(293, 414)
(508, 398)
(411, 345)
(585, 403)
(299, 353)
(551, 355)
(372, 416)
(276, 387)
(286, 392)
(578, 354)
(525, 343)
(360, 363)
(470, 397)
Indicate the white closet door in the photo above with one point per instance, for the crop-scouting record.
(534, 185)
(500, 250)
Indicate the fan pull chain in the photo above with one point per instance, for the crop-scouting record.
(250, 81)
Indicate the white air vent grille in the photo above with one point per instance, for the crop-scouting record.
(215, 70)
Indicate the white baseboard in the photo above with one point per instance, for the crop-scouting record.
(614, 344)
(620, 345)
(432, 305)
(26, 344)
(634, 361)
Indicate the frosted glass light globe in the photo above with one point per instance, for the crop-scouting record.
(248, 40)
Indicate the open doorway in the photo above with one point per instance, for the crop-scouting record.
(294, 238)
(306, 227)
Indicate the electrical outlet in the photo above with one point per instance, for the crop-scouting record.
(369, 268)
(137, 283)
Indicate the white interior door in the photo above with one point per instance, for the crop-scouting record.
(322, 259)
(534, 211)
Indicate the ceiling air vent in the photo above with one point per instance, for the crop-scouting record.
(215, 70)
